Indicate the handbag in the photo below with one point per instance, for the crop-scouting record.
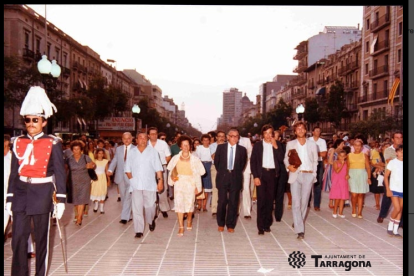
(91, 172)
(201, 195)
(294, 158)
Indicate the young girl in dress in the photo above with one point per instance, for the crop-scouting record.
(339, 189)
(100, 186)
(394, 188)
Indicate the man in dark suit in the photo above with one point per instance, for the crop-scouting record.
(265, 167)
(230, 160)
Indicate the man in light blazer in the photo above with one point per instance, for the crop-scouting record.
(302, 178)
(118, 163)
(230, 161)
(265, 167)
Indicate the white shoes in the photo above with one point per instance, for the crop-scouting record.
(334, 215)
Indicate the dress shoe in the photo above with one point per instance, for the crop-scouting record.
(220, 228)
(123, 221)
(247, 217)
(380, 219)
(152, 226)
(119, 199)
(301, 236)
(267, 229)
(138, 235)
(398, 236)
(130, 220)
(293, 225)
(317, 209)
(102, 212)
(278, 220)
(214, 214)
(230, 230)
(261, 232)
(95, 210)
(165, 214)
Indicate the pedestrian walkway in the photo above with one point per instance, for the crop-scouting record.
(103, 246)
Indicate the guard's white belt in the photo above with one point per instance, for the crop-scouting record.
(36, 180)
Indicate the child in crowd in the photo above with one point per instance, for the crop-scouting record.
(339, 190)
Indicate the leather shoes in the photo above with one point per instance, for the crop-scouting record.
(165, 214)
(119, 199)
(267, 229)
(138, 235)
(123, 221)
(220, 228)
(247, 217)
(317, 209)
(214, 214)
(293, 225)
(380, 219)
(261, 232)
(278, 220)
(230, 230)
(152, 226)
(301, 236)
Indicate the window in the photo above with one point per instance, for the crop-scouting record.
(400, 28)
(366, 47)
(26, 40)
(366, 69)
(37, 45)
(65, 58)
(57, 54)
(48, 50)
(385, 89)
(374, 41)
(367, 23)
(399, 55)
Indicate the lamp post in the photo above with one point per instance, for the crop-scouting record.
(135, 111)
(300, 110)
(47, 69)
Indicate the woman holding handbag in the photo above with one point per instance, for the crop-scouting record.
(185, 175)
(78, 164)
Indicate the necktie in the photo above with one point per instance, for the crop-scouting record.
(125, 156)
(230, 166)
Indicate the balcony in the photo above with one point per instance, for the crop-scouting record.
(351, 86)
(380, 23)
(297, 81)
(300, 54)
(379, 95)
(75, 65)
(320, 82)
(28, 54)
(378, 72)
(311, 85)
(300, 93)
(65, 72)
(381, 46)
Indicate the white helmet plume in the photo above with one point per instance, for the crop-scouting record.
(37, 103)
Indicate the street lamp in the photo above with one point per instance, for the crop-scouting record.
(47, 68)
(135, 111)
(300, 110)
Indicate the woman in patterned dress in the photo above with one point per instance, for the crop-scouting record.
(185, 171)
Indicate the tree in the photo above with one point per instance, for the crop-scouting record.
(335, 105)
(277, 116)
(312, 114)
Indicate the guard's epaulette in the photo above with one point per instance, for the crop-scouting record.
(56, 139)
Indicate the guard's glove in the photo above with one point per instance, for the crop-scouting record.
(8, 208)
(60, 208)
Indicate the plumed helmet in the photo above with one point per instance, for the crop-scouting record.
(37, 103)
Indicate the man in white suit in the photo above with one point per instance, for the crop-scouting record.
(246, 202)
(302, 178)
(118, 163)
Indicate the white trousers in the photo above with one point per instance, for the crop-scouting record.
(246, 194)
(143, 204)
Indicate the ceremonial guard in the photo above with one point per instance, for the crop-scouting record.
(37, 174)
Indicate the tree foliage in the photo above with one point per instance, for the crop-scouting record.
(277, 116)
(312, 114)
(335, 104)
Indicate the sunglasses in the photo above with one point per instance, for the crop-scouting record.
(28, 120)
(162, 138)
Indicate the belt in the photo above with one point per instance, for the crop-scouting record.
(306, 171)
(206, 161)
(36, 180)
(269, 169)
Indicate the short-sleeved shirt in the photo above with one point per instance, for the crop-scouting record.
(396, 177)
(143, 167)
(320, 146)
(163, 149)
(203, 153)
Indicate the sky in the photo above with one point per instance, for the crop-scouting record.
(195, 52)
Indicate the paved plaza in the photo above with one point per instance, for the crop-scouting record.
(103, 246)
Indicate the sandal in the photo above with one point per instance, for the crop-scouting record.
(180, 231)
(204, 209)
(189, 226)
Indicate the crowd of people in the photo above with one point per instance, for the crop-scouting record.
(221, 172)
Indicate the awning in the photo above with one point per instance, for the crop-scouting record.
(373, 44)
(321, 91)
(393, 91)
